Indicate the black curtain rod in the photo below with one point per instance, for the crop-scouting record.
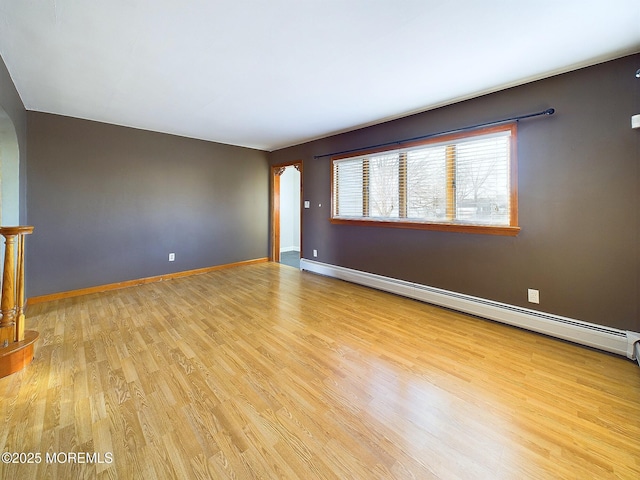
(548, 111)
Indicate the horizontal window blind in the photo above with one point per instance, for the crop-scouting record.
(482, 181)
(463, 180)
(426, 184)
(349, 186)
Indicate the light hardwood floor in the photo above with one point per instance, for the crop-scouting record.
(262, 371)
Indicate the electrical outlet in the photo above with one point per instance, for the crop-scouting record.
(315, 253)
(172, 257)
(533, 295)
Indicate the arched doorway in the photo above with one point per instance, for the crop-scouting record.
(278, 241)
(9, 172)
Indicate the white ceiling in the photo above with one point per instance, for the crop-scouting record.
(273, 73)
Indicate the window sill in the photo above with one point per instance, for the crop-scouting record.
(504, 230)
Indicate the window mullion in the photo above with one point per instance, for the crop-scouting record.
(365, 187)
(402, 185)
(336, 190)
(451, 182)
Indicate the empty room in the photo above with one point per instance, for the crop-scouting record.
(318, 239)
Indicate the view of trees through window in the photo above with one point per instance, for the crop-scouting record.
(464, 180)
(383, 186)
(426, 185)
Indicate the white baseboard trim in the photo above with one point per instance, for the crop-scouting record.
(290, 249)
(633, 352)
(609, 339)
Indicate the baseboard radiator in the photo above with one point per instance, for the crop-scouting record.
(612, 340)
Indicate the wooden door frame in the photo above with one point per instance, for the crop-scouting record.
(276, 171)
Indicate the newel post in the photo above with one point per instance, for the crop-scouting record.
(16, 345)
(8, 303)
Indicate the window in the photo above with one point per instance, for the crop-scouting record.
(463, 182)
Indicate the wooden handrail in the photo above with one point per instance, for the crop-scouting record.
(12, 300)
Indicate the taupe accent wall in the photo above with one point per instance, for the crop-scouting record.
(579, 191)
(109, 204)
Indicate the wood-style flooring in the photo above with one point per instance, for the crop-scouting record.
(267, 372)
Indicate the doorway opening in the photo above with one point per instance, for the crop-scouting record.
(286, 213)
(9, 166)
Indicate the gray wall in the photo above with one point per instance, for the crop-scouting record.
(579, 188)
(109, 203)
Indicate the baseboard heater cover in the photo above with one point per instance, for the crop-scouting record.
(609, 339)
